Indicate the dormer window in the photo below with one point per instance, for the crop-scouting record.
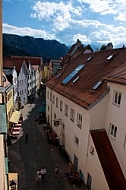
(89, 58)
(97, 85)
(110, 57)
(75, 79)
(58, 75)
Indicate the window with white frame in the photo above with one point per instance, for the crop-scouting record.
(54, 115)
(76, 140)
(56, 102)
(53, 99)
(113, 130)
(48, 94)
(48, 107)
(117, 98)
(125, 142)
(92, 150)
(61, 105)
(72, 114)
(66, 110)
(79, 120)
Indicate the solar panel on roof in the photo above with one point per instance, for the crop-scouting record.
(72, 74)
(97, 85)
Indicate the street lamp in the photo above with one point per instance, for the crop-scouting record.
(13, 185)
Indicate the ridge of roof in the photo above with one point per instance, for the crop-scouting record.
(108, 160)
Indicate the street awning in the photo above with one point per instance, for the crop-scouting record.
(15, 117)
(14, 177)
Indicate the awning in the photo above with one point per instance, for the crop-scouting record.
(15, 117)
(14, 177)
(42, 108)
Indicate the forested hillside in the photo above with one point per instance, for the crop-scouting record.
(29, 46)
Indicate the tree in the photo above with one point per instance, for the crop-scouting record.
(103, 47)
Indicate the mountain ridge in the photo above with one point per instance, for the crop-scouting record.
(29, 46)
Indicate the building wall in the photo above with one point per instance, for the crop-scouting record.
(98, 114)
(71, 129)
(94, 169)
(22, 86)
(9, 103)
(117, 116)
(15, 85)
(37, 79)
(3, 180)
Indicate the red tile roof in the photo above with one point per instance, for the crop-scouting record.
(108, 160)
(9, 62)
(118, 75)
(95, 69)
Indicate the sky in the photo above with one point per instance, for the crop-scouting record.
(97, 22)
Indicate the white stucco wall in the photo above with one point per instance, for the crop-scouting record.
(117, 116)
(98, 114)
(95, 170)
(22, 87)
(71, 129)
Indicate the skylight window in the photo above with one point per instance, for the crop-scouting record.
(58, 75)
(89, 58)
(72, 74)
(97, 85)
(109, 57)
(75, 79)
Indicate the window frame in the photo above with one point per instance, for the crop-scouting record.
(72, 114)
(113, 130)
(66, 110)
(76, 140)
(79, 120)
(57, 101)
(117, 98)
(61, 105)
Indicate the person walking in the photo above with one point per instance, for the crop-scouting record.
(38, 178)
(26, 137)
(43, 172)
(57, 171)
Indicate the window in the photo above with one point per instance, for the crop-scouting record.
(92, 150)
(76, 141)
(57, 102)
(79, 120)
(61, 105)
(48, 94)
(113, 130)
(72, 115)
(53, 99)
(117, 98)
(54, 116)
(125, 142)
(66, 109)
(72, 74)
(48, 108)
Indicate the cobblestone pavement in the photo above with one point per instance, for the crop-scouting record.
(27, 158)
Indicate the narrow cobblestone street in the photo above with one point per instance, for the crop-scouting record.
(27, 158)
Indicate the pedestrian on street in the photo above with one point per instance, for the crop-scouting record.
(57, 171)
(43, 172)
(26, 137)
(38, 177)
